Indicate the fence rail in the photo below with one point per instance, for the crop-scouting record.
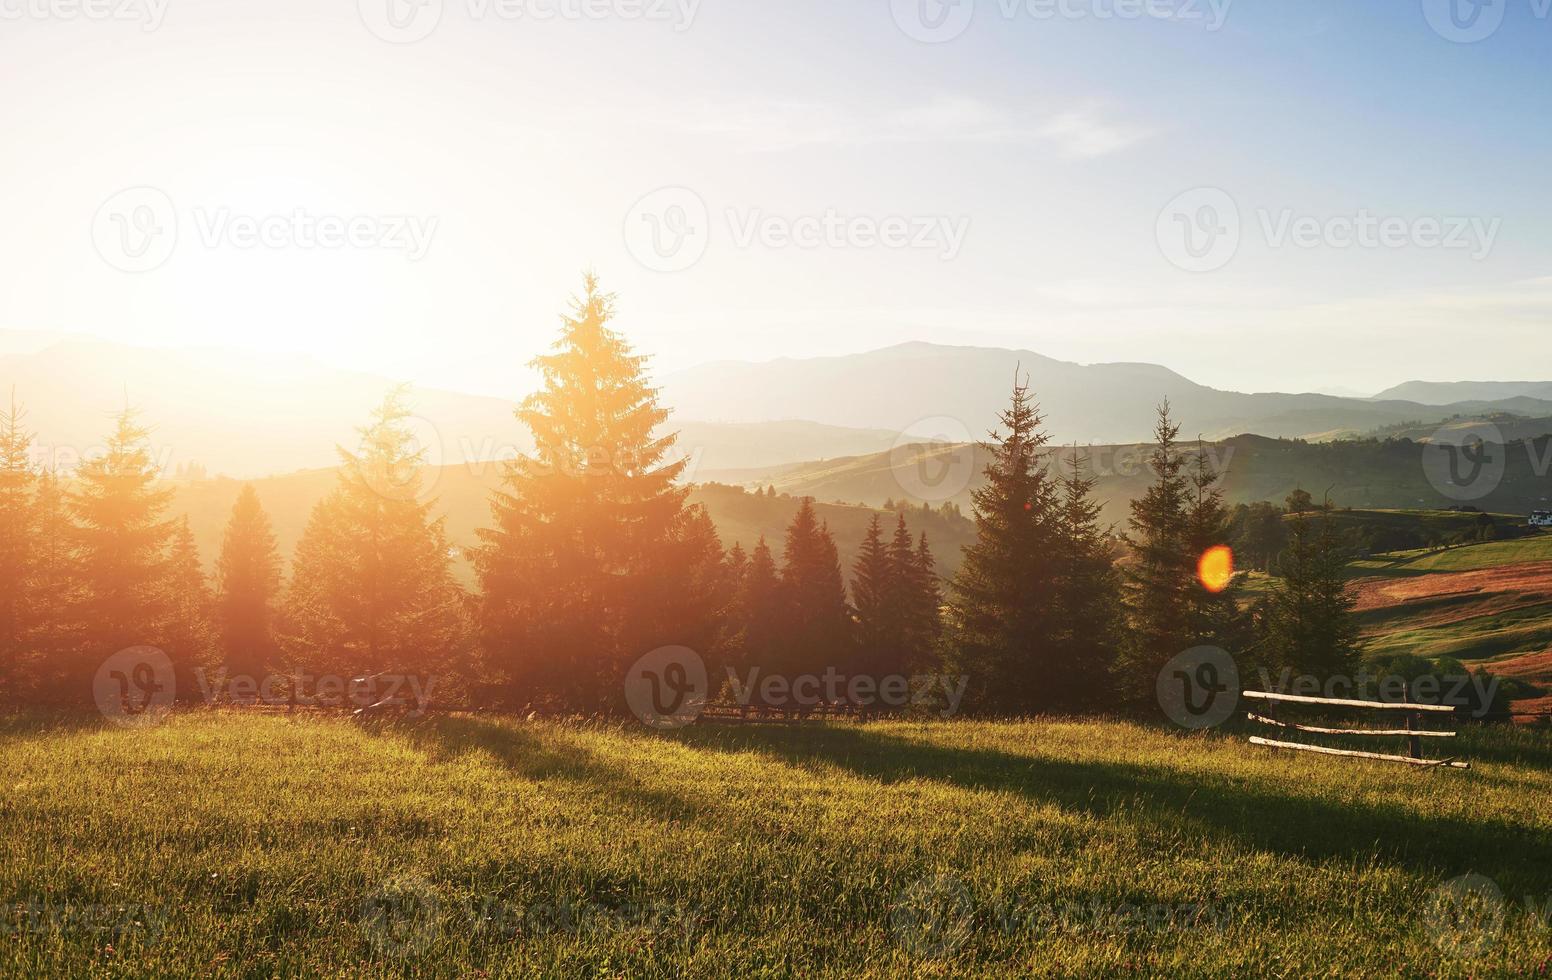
(1414, 733)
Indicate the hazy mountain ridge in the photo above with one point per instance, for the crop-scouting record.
(1447, 392)
(901, 387)
(247, 415)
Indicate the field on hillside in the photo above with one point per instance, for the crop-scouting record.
(221, 844)
(1488, 605)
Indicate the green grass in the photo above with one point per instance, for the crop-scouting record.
(265, 845)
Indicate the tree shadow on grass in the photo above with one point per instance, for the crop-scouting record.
(34, 725)
(542, 753)
(1238, 809)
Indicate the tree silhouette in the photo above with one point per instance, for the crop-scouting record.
(248, 588)
(582, 544)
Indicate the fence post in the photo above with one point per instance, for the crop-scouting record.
(1414, 742)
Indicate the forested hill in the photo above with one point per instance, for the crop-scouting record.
(1368, 473)
(462, 496)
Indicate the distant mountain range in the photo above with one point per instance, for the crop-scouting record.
(1447, 392)
(247, 415)
(897, 388)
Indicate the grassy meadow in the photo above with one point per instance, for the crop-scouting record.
(227, 844)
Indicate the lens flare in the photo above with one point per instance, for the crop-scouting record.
(1215, 570)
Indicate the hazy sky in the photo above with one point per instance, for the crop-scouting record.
(1260, 195)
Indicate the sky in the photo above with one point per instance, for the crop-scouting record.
(1261, 196)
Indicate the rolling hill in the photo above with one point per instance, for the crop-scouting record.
(1358, 473)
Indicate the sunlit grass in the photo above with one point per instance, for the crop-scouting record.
(262, 844)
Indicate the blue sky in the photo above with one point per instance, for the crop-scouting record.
(1042, 163)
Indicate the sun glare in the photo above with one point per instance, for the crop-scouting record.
(1215, 569)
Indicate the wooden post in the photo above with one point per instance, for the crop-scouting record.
(1414, 743)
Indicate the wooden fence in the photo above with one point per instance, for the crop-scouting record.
(1413, 730)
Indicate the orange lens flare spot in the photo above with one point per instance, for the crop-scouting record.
(1215, 570)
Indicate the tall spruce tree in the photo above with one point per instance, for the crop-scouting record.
(1087, 595)
(583, 528)
(1215, 618)
(1003, 601)
(918, 602)
(248, 588)
(1162, 575)
(18, 532)
(188, 633)
(760, 611)
(876, 593)
(1307, 620)
(816, 630)
(54, 637)
(120, 540)
(372, 589)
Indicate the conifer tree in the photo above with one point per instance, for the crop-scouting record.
(583, 528)
(1214, 616)
(248, 588)
(187, 635)
(1162, 575)
(1087, 595)
(54, 634)
(816, 633)
(372, 589)
(18, 530)
(1003, 602)
(876, 593)
(121, 538)
(1307, 620)
(923, 607)
(760, 611)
